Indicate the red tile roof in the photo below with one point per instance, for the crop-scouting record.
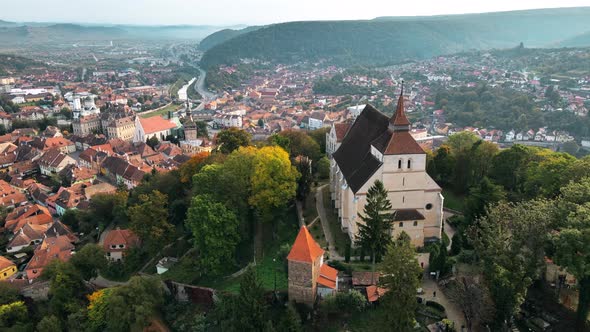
(155, 124)
(328, 276)
(402, 142)
(5, 262)
(305, 249)
(118, 237)
(374, 293)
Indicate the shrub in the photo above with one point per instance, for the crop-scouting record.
(349, 302)
(435, 305)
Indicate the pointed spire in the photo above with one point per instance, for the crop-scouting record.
(399, 121)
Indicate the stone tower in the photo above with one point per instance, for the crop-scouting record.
(305, 259)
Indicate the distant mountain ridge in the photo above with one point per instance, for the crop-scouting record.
(22, 34)
(394, 39)
(224, 35)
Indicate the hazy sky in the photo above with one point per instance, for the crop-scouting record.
(225, 12)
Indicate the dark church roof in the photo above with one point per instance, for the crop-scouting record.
(408, 214)
(389, 136)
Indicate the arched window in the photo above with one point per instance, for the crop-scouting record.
(399, 164)
(409, 163)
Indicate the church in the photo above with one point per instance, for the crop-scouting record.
(377, 147)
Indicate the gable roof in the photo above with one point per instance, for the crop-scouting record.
(328, 276)
(155, 124)
(372, 128)
(117, 237)
(5, 262)
(305, 249)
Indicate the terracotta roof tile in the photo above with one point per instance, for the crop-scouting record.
(305, 249)
(155, 124)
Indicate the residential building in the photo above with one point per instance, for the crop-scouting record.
(85, 125)
(117, 242)
(51, 248)
(377, 147)
(54, 161)
(122, 128)
(7, 268)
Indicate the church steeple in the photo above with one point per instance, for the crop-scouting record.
(399, 121)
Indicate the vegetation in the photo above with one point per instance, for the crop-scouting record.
(374, 233)
(353, 42)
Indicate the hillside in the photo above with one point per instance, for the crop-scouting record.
(581, 40)
(388, 40)
(221, 36)
(14, 64)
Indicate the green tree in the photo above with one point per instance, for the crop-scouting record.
(571, 147)
(89, 261)
(374, 232)
(250, 312)
(443, 164)
(49, 324)
(282, 141)
(323, 166)
(510, 241)
(572, 243)
(152, 142)
(8, 293)
(482, 195)
(149, 220)
(65, 287)
(216, 232)
(401, 270)
(134, 304)
(231, 139)
(13, 313)
(290, 320)
(546, 175)
(301, 144)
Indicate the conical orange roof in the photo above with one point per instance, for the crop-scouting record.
(305, 249)
(399, 118)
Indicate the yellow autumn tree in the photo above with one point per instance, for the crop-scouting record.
(273, 180)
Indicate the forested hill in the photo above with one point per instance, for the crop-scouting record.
(221, 36)
(390, 40)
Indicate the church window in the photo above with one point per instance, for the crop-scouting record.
(399, 164)
(409, 164)
(401, 224)
(403, 181)
(428, 206)
(415, 223)
(403, 199)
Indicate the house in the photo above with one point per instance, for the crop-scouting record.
(54, 161)
(9, 196)
(315, 120)
(308, 275)
(51, 248)
(377, 147)
(28, 235)
(33, 214)
(7, 268)
(155, 126)
(117, 242)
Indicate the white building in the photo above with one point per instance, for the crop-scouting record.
(155, 126)
(380, 148)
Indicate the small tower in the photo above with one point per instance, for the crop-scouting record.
(305, 261)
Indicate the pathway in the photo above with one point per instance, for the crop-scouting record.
(453, 312)
(449, 230)
(319, 203)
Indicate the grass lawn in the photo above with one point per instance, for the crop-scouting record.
(453, 201)
(266, 268)
(309, 210)
(318, 234)
(163, 112)
(340, 238)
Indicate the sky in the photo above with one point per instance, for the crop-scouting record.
(249, 12)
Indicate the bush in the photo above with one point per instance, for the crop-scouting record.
(467, 257)
(340, 266)
(350, 302)
(435, 305)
